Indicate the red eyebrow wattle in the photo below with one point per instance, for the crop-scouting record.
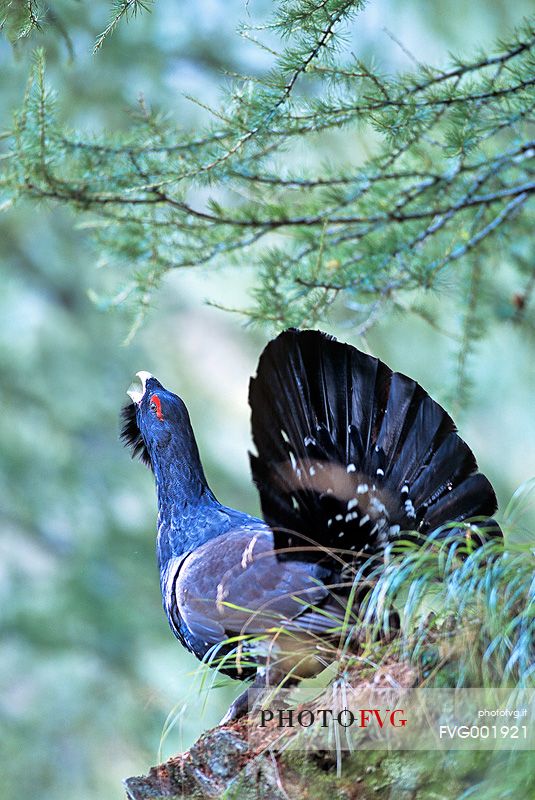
(156, 400)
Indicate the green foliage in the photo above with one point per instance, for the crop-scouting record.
(467, 613)
(448, 177)
(121, 9)
(19, 19)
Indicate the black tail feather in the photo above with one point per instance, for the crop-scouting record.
(451, 463)
(350, 453)
(429, 427)
(474, 497)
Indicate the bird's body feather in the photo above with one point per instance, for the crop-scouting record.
(349, 454)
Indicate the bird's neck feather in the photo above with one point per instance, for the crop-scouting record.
(185, 501)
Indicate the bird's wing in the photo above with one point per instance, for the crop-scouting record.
(235, 585)
(350, 453)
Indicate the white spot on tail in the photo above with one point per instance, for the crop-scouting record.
(409, 509)
(379, 507)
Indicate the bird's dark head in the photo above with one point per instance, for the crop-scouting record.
(156, 421)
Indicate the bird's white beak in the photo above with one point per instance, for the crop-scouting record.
(134, 392)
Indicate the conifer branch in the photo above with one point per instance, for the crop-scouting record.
(453, 169)
(121, 9)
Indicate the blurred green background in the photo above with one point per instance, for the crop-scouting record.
(88, 667)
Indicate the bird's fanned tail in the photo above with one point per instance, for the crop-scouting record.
(351, 453)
